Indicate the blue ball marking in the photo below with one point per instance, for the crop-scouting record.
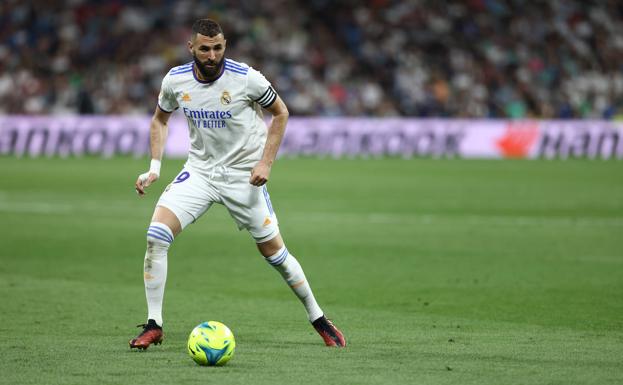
(213, 355)
(207, 326)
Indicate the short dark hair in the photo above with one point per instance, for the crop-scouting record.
(206, 27)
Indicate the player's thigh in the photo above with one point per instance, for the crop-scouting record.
(187, 197)
(250, 206)
(169, 218)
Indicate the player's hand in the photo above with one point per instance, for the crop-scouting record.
(260, 174)
(143, 181)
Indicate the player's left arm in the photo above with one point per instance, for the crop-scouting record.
(276, 130)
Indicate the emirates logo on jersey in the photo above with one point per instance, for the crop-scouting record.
(225, 98)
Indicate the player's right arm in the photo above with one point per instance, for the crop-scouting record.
(158, 131)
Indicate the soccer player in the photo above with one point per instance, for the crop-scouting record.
(229, 162)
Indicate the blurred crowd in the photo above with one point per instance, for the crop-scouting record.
(425, 58)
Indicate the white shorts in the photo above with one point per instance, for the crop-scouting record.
(191, 194)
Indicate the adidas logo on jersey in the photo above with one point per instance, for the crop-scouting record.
(186, 97)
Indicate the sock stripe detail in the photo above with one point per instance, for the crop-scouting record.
(279, 259)
(154, 235)
(160, 231)
(159, 235)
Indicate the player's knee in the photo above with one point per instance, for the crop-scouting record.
(159, 236)
(270, 244)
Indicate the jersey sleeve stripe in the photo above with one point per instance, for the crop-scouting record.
(235, 65)
(235, 70)
(181, 72)
(181, 68)
(173, 72)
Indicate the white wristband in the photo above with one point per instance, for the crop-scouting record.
(154, 167)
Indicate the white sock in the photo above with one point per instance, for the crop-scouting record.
(292, 272)
(159, 238)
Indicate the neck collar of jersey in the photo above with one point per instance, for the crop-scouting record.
(207, 81)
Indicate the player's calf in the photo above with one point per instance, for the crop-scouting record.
(292, 272)
(159, 238)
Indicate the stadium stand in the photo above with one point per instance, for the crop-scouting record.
(474, 58)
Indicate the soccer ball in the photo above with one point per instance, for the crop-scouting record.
(211, 343)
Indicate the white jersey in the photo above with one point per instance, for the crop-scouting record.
(225, 120)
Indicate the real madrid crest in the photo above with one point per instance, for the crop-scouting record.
(225, 98)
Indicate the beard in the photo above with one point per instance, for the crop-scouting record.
(209, 69)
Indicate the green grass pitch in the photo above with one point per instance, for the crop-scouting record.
(437, 271)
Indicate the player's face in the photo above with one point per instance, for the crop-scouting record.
(209, 53)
